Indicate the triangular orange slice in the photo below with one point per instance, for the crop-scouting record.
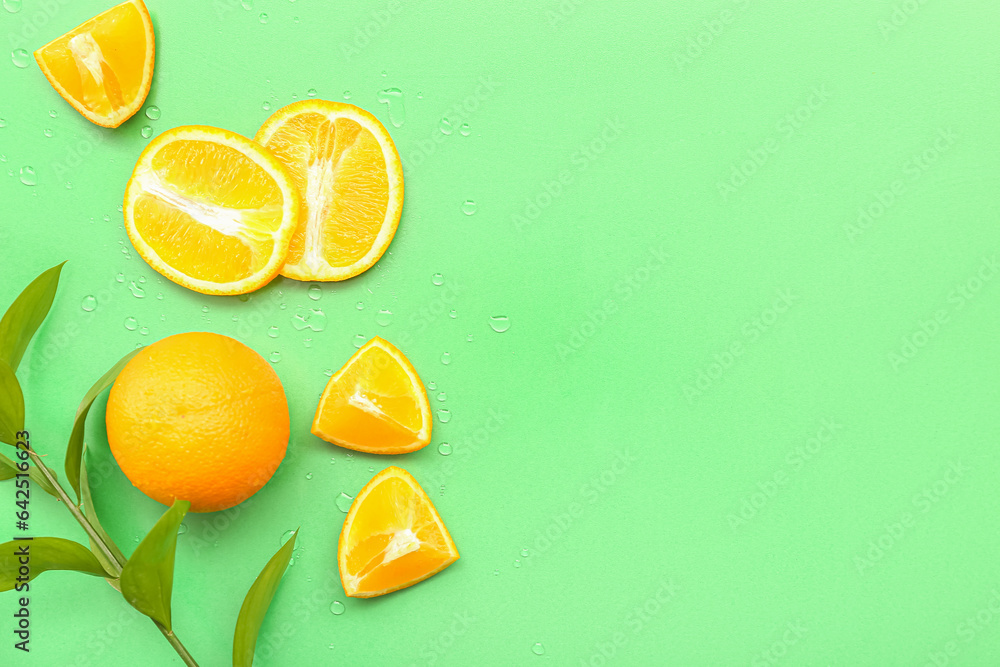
(104, 67)
(376, 403)
(392, 537)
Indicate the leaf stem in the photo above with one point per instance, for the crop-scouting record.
(96, 538)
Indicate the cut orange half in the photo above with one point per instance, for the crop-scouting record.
(104, 67)
(392, 537)
(211, 210)
(376, 403)
(351, 181)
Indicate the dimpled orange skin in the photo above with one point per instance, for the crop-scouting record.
(199, 417)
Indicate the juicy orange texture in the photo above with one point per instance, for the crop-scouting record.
(392, 537)
(211, 210)
(351, 181)
(104, 67)
(376, 403)
(200, 417)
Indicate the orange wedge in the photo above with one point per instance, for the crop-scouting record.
(376, 403)
(351, 181)
(392, 537)
(104, 67)
(211, 210)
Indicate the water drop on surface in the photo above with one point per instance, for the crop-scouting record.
(446, 358)
(469, 207)
(432, 385)
(465, 130)
(272, 332)
(204, 309)
(344, 502)
(308, 342)
(517, 563)
(393, 98)
(500, 323)
(444, 415)
(445, 126)
(315, 292)
(538, 649)
(384, 318)
(309, 318)
(437, 279)
(337, 608)
(347, 94)
(120, 277)
(442, 397)
(444, 449)
(20, 58)
(146, 131)
(468, 338)
(53, 113)
(3, 123)
(159, 296)
(247, 4)
(131, 324)
(524, 553)
(275, 357)
(496, 573)
(360, 305)
(309, 475)
(137, 291)
(89, 303)
(311, 92)
(266, 106)
(27, 176)
(12, 6)
(359, 340)
(47, 132)
(328, 372)
(287, 535)
(452, 314)
(153, 113)
(181, 529)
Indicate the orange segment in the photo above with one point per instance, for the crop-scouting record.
(351, 180)
(392, 537)
(376, 403)
(104, 67)
(211, 210)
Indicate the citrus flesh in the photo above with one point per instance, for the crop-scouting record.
(376, 403)
(104, 67)
(392, 537)
(211, 210)
(199, 417)
(351, 181)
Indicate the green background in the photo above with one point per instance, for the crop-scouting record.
(777, 447)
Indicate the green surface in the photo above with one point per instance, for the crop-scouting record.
(723, 439)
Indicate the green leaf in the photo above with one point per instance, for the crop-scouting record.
(148, 577)
(44, 553)
(74, 449)
(91, 514)
(257, 601)
(9, 469)
(24, 316)
(11, 405)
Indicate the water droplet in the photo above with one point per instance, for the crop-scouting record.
(69, 186)
(344, 501)
(446, 358)
(137, 291)
(445, 126)
(442, 397)
(275, 357)
(359, 340)
(468, 338)
(328, 372)
(89, 303)
(337, 608)
(331, 647)
(309, 475)
(20, 58)
(28, 176)
(120, 277)
(347, 94)
(287, 535)
(469, 207)
(500, 323)
(272, 332)
(517, 563)
(153, 113)
(309, 318)
(266, 106)
(444, 449)
(393, 98)
(142, 280)
(437, 279)
(384, 318)
(47, 132)
(384, 73)
(146, 131)
(181, 529)
(311, 92)
(420, 95)
(432, 385)
(131, 324)
(465, 130)
(452, 314)
(53, 113)
(496, 573)
(159, 296)
(361, 305)
(538, 649)
(308, 342)
(263, 17)
(3, 123)
(444, 415)
(524, 552)
(12, 6)
(3, 157)
(315, 292)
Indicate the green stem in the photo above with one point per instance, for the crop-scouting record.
(96, 538)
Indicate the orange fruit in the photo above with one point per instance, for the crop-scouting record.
(376, 403)
(104, 67)
(211, 210)
(199, 417)
(392, 537)
(351, 181)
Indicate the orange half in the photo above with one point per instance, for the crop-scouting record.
(351, 180)
(392, 537)
(104, 67)
(376, 403)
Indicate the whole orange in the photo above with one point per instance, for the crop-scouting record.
(199, 417)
